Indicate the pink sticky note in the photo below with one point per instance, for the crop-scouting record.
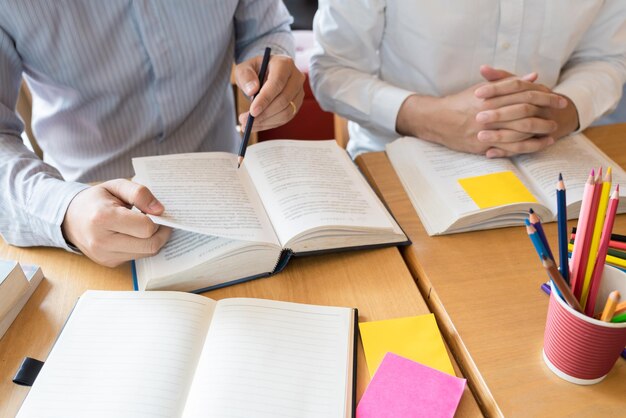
(404, 388)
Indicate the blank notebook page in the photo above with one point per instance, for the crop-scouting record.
(268, 359)
(122, 354)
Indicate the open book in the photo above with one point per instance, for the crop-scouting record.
(175, 354)
(288, 197)
(456, 192)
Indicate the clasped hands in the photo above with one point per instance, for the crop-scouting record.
(100, 221)
(504, 116)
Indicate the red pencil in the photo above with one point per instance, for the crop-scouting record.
(598, 268)
(576, 277)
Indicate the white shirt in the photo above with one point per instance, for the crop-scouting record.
(372, 54)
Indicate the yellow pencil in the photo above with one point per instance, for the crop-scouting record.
(597, 231)
(609, 308)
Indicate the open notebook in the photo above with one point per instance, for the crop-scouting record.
(288, 198)
(453, 191)
(174, 354)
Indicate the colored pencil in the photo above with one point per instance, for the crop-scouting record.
(613, 243)
(609, 307)
(620, 308)
(534, 238)
(614, 261)
(602, 189)
(536, 222)
(562, 227)
(616, 253)
(576, 279)
(560, 283)
(250, 121)
(619, 318)
(598, 267)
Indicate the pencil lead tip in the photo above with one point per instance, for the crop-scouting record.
(560, 176)
(593, 173)
(531, 210)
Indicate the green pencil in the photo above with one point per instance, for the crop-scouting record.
(619, 318)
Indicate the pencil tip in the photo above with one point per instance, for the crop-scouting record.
(531, 210)
(560, 176)
(593, 173)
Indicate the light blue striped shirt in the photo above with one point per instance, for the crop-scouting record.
(112, 80)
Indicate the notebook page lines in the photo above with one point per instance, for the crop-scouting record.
(272, 360)
(123, 357)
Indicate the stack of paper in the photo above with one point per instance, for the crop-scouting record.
(17, 284)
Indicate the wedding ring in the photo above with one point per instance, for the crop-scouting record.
(294, 109)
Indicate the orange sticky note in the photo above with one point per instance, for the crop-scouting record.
(496, 189)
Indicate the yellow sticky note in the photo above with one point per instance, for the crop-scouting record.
(416, 338)
(496, 189)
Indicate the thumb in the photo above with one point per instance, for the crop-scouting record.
(134, 194)
(247, 78)
(493, 74)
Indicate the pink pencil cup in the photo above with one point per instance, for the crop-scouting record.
(581, 349)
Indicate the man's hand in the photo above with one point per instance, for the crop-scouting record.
(281, 96)
(520, 116)
(100, 222)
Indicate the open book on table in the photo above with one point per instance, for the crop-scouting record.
(456, 192)
(175, 354)
(288, 197)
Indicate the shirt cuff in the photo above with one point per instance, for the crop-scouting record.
(48, 205)
(386, 103)
(579, 95)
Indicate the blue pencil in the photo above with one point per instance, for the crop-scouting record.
(541, 251)
(535, 222)
(562, 228)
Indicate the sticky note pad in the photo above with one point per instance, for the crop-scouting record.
(496, 189)
(404, 388)
(416, 338)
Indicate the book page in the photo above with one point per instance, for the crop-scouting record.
(191, 261)
(309, 184)
(573, 156)
(206, 193)
(267, 359)
(122, 354)
(183, 251)
(430, 174)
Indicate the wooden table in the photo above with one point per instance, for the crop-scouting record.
(376, 281)
(484, 290)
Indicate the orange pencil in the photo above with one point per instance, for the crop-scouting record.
(609, 308)
(576, 281)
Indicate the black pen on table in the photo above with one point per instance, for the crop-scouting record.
(250, 121)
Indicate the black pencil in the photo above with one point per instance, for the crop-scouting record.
(248, 131)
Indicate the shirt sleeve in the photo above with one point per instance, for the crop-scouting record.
(345, 64)
(596, 71)
(259, 24)
(33, 197)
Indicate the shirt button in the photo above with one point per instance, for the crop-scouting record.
(505, 45)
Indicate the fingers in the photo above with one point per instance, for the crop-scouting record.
(282, 115)
(498, 136)
(531, 125)
(284, 83)
(134, 194)
(138, 247)
(523, 147)
(507, 86)
(246, 75)
(492, 74)
(532, 97)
